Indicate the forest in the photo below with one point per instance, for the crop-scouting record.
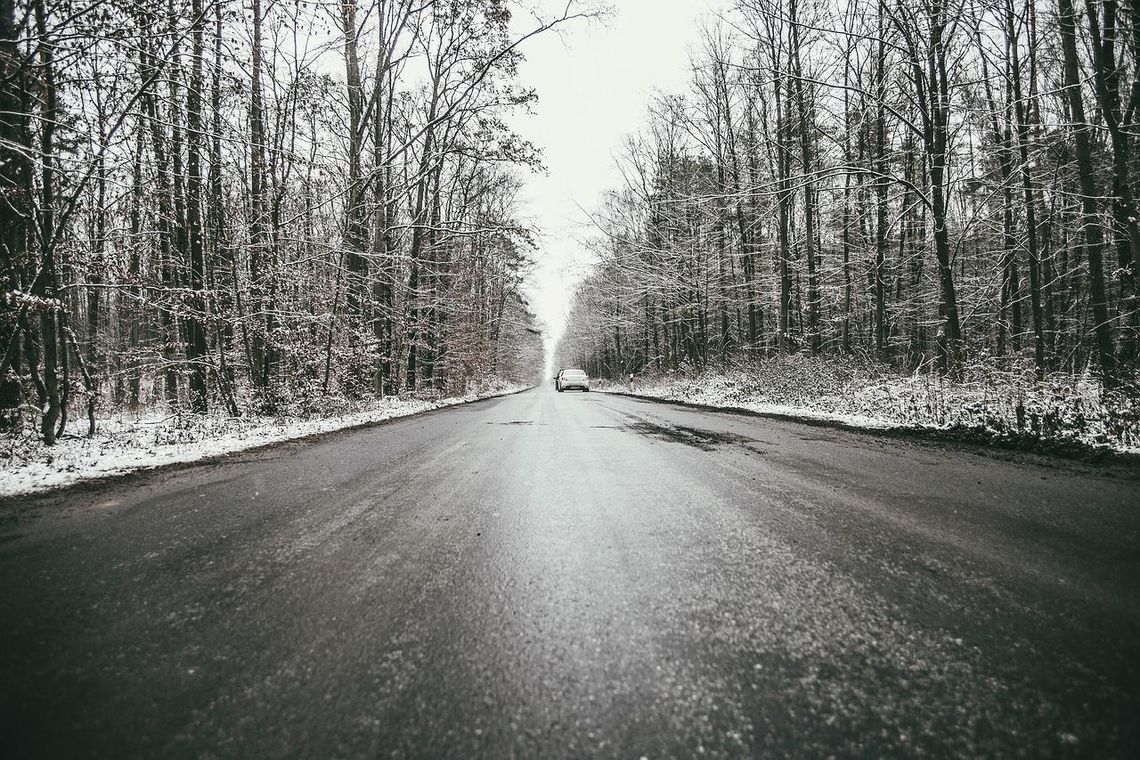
(263, 207)
(939, 188)
(285, 207)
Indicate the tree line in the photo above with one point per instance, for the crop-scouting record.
(259, 206)
(927, 184)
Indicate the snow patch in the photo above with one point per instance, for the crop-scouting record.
(1059, 409)
(125, 444)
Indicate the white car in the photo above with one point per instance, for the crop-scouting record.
(572, 378)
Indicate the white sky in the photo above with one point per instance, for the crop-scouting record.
(594, 84)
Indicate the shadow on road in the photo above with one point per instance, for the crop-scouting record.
(705, 440)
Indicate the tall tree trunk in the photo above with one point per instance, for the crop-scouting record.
(784, 193)
(936, 137)
(197, 352)
(258, 345)
(98, 263)
(1022, 132)
(1094, 236)
(807, 158)
(220, 264)
(164, 181)
(180, 234)
(49, 325)
(881, 164)
(1121, 127)
(1003, 137)
(15, 178)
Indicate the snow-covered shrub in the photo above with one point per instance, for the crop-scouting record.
(993, 400)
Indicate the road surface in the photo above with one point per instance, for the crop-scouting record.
(569, 575)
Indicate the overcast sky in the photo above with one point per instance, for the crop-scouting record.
(594, 84)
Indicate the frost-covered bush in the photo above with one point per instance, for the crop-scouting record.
(998, 402)
(125, 442)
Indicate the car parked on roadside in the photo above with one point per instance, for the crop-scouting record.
(572, 378)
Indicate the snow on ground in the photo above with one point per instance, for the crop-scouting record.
(722, 392)
(126, 443)
(1059, 409)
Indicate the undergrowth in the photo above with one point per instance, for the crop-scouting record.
(986, 399)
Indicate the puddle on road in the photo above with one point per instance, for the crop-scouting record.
(705, 440)
(517, 422)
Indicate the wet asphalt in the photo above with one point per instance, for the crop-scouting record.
(578, 575)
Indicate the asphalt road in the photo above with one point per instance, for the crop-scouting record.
(568, 575)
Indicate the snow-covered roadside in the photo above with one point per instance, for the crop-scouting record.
(126, 444)
(1060, 410)
(715, 397)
